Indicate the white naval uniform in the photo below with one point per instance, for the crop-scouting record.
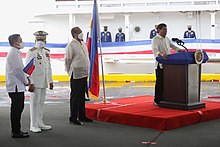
(41, 77)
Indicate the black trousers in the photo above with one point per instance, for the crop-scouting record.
(159, 85)
(17, 107)
(77, 98)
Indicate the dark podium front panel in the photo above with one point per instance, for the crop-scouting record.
(182, 87)
(182, 78)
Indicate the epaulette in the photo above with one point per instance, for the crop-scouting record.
(47, 49)
(32, 49)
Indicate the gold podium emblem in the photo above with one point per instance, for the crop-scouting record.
(199, 56)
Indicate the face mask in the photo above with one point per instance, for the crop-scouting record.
(189, 29)
(80, 36)
(40, 44)
(21, 45)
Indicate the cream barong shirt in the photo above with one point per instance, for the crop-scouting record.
(162, 45)
(77, 59)
(15, 75)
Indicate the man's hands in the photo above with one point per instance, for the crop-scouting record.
(181, 50)
(31, 88)
(51, 86)
(165, 56)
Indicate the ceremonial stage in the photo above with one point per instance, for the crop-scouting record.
(140, 111)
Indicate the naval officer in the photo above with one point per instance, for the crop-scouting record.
(106, 35)
(120, 36)
(16, 81)
(40, 79)
(153, 32)
(189, 33)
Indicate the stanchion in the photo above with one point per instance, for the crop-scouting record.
(104, 101)
(103, 78)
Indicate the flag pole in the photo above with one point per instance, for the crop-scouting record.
(103, 79)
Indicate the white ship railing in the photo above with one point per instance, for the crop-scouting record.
(139, 5)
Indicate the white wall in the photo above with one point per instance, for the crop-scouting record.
(57, 28)
(217, 19)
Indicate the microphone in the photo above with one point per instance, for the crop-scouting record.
(178, 41)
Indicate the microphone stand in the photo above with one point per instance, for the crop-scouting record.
(182, 44)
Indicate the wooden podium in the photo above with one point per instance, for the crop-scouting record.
(182, 76)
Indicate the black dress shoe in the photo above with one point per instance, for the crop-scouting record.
(87, 99)
(156, 104)
(24, 132)
(85, 119)
(75, 122)
(19, 135)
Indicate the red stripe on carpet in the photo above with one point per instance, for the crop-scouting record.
(140, 111)
(213, 97)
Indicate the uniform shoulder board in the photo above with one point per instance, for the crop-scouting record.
(47, 49)
(33, 48)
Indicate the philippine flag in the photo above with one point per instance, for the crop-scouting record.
(92, 45)
(29, 68)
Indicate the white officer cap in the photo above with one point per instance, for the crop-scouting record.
(189, 26)
(40, 35)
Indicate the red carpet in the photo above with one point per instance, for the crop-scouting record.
(140, 111)
(213, 97)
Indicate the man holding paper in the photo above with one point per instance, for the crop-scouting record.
(16, 81)
(40, 78)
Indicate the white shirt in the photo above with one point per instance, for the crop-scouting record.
(14, 71)
(42, 74)
(77, 59)
(162, 45)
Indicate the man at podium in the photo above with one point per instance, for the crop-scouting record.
(161, 47)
